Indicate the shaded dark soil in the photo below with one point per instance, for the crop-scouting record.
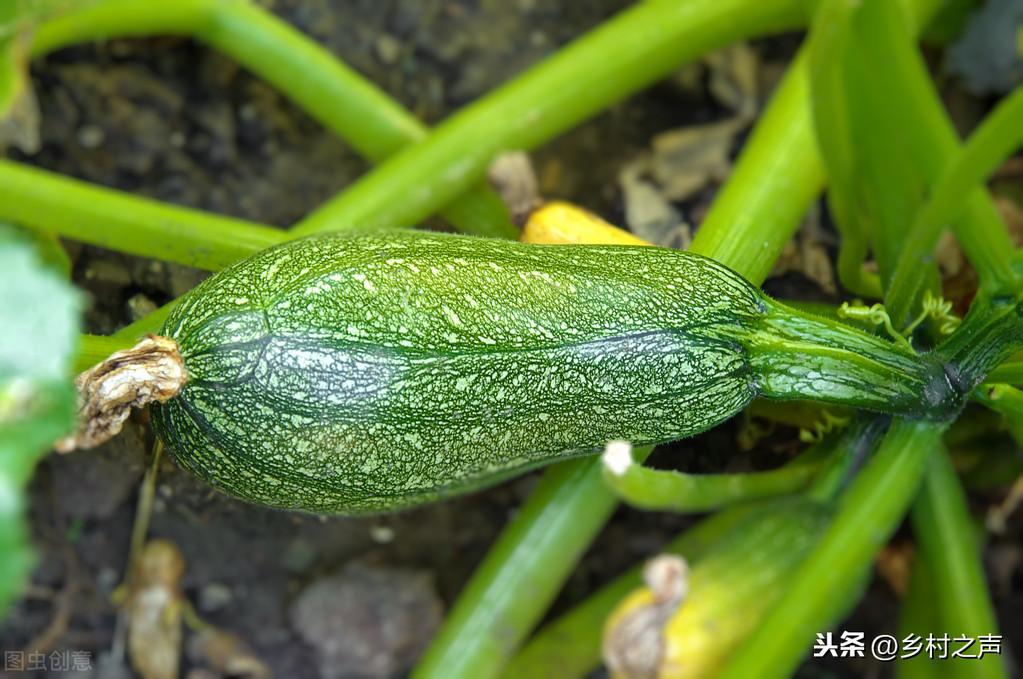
(169, 119)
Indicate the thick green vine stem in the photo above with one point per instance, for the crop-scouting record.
(991, 332)
(127, 223)
(946, 535)
(919, 615)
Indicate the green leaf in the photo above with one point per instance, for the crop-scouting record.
(38, 335)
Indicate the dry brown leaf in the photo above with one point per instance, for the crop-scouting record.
(687, 159)
(733, 78)
(648, 214)
(808, 255)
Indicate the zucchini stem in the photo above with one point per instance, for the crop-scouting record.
(800, 356)
(991, 332)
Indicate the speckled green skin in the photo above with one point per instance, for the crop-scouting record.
(364, 374)
(349, 375)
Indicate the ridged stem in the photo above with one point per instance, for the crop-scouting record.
(991, 332)
(798, 355)
(120, 221)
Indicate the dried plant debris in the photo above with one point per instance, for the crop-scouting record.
(157, 614)
(733, 78)
(648, 214)
(808, 254)
(150, 371)
(683, 162)
(634, 641)
(987, 55)
(894, 563)
(998, 516)
(679, 164)
(154, 610)
(513, 177)
(688, 159)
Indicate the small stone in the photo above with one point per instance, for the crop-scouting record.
(140, 305)
(368, 620)
(91, 136)
(299, 555)
(381, 534)
(214, 597)
(388, 48)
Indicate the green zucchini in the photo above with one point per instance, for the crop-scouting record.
(363, 374)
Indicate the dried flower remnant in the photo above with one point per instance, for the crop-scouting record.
(150, 371)
(634, 640)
